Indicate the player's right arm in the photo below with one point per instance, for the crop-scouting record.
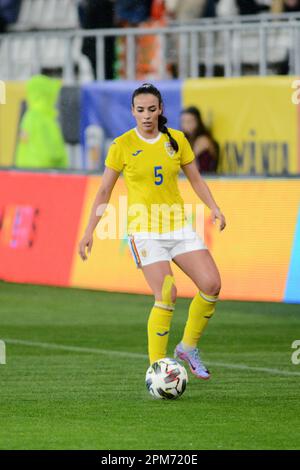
(108, 182)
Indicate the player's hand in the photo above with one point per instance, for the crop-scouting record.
(216, 214)
(85, 243)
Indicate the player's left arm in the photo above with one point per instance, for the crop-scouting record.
(203, 192)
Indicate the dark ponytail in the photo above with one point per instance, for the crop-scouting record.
(162, 121)
(148, 88)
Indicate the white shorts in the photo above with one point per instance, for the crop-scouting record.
(147, 250)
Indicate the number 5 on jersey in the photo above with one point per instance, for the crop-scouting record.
(158, 176)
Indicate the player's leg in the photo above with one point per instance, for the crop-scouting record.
(160, 278)
(201, 268)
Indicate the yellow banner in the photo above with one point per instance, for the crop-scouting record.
(9, 118)
(254, 120)
(253, 253)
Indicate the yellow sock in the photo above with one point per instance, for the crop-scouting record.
(158, 332)
(201, 310)
(159, 322)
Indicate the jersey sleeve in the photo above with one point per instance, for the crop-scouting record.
(187, 154)
(114, 159)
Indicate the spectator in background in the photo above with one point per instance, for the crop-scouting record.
(185, 10)
(132, 12)
(9, 11)
(97, 14)
(205, 148)
(286, 6)
(253, 7)
(227, 8)
(158, 10)
(210, 9)
(291, 5)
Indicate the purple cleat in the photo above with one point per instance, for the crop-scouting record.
(192, 358)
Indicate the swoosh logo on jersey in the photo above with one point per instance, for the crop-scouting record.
(136, 153)
(162, 334)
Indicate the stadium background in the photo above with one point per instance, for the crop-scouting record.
(61, 343)
(246, 252)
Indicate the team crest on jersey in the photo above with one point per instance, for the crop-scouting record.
(144, 253)
(169, 149)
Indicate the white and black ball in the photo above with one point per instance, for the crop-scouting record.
(166, 379)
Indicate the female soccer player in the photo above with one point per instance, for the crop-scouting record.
(150, 156)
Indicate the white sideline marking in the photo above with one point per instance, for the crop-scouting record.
(63, 347)
(108, 352)
(255, 369)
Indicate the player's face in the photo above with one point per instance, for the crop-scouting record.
(146, 110)
(188, 123)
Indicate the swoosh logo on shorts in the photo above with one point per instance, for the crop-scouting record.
(162, 334)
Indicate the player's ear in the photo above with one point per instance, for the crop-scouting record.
(132, 110)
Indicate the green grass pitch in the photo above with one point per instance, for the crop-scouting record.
(88, 391)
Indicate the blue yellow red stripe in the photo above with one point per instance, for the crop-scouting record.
(135, 251)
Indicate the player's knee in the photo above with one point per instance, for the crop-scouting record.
(213, 287)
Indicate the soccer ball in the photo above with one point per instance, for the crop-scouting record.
(166, 379)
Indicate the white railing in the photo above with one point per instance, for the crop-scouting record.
(260, 42)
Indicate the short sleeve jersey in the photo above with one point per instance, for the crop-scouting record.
(151, 173)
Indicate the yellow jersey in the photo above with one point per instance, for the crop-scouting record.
(150, 168)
